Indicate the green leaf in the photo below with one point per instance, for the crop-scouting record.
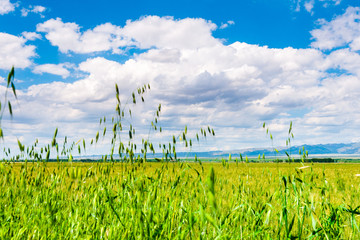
(133, 96)
(13, 89)
(97, 137)
(21, 147)
(10, 108)
(10, 76)
(117, 89)
(290, 128)
(56, 131)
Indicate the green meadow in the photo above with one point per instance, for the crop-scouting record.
(179, 201)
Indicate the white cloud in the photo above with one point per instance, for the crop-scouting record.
(33, 9)
(233, 88)
(217, 85)
(24, 12)
(56, 69)
(147, 32)
(14, 51)
(309, 5)
(67, 37)
(345, 59)
(326, 3)
(227, 24)
(297, 5)
(38, 9)
(6, 6)
(31, 36)
(339, 32)
(166, 32)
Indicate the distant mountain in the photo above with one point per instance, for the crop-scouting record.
(318, 149)
(329, 150)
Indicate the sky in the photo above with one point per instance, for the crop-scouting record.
(232, 65)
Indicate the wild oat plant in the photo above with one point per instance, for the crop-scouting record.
(125, 196)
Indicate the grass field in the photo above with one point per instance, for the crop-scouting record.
(179, 201)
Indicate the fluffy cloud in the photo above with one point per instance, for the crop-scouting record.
(326, 3)
(309, 4)
(147, 32)
(6, 6)
(227, 24)
(238, 85)
(33, 9)
(56, 69)
(67, 37)
(199, 81)
(341, 31)
(15, 52)
(31, 36)
(165, 32)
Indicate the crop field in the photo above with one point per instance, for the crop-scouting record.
(179, 200)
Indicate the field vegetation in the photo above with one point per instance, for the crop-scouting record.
(179, 201)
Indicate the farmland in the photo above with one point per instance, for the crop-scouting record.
(178, 200)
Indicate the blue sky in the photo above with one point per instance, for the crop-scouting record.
(228, 64)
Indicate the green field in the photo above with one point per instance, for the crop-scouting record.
(179, 201)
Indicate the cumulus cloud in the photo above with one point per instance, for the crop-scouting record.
(15, 52)
(199, 81)
(227, 24)
(67, 37)
(56, 69)
(343, 30)
(147, 32)
(327, 3)
(38, 9)
(6, 6)
(166, 32)
(31, 36)
(309, 5)
(33, 9)
(226, 86)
